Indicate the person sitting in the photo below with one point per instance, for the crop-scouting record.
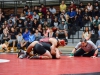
(86, 34)
(95, 23)
(19, 40)
(12, 40)
(25, 38)
(62, 29)
(51, 33)
(37, 35)
(31, 38)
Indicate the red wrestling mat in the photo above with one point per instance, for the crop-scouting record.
(63, 66)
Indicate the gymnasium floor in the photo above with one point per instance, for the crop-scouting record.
(63, 66)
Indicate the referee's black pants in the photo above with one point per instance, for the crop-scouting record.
(81, 52)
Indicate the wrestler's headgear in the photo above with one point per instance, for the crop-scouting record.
(62, 42)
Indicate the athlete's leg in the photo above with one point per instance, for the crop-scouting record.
(47, 54)
(29, 49)
(42, 52)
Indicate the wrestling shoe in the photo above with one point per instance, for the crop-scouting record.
(22, 56)
(20, 52)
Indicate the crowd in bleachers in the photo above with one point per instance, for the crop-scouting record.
(42, 22)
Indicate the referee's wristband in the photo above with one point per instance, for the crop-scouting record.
(72, 54)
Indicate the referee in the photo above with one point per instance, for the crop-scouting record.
(85, 48)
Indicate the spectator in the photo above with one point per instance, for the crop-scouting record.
(43, 9)
(67, 22)
(50, 15)
(2, 17)
(86, 12)
(94, 25)
(81, 6)
(6, 23)
(40, 13)
(72, 6)
(46, 30)
(62, 29)
(21, 29)
(63, 6)
(86, 34)
(51, 33)
(13, 35)
(36, 9)
(41, 20)
(37, 35)
(22, 16)
(72, 15)
(10, 23)
(19, 39)
(28, 23)
(96, 9)
(26, 34)
(25, 38)
(31, 37)
(35, 23)
(40, 29)
(29, 14)
(5, 35)
(55, 24)
(52, 10)
(25, 9)
(79, 18)
(45, 24)
(35, 16)
(48, 20)
(20, 23)
(62, 18)
(64, 13)
(86, 17)
(12, 17)
(29, 11)
(90, 9)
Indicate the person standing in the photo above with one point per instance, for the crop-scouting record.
(63, 6)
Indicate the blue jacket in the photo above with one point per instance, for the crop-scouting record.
(31, 38)
(72, 14)
(26, 36)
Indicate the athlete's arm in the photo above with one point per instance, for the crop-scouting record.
(54, 44)
(57, 53)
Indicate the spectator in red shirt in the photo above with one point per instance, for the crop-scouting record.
(43, 9)
(72, 6)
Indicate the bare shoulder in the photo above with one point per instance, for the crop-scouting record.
(53, 41)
